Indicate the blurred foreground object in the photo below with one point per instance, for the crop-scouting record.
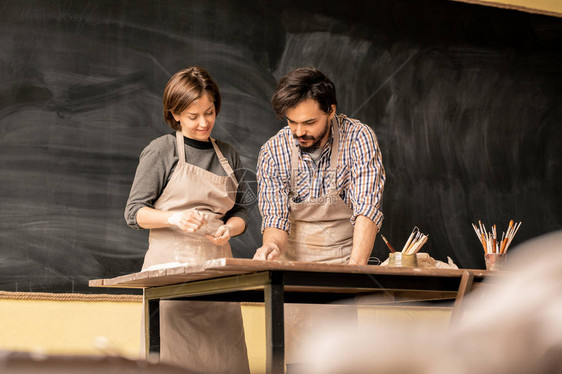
(25, 363)
(513, 326)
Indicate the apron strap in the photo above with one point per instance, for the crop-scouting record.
(180, 148)
(335, 155)
(224, 162)
(294, 167)
(333, 159)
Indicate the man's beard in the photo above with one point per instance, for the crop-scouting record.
(316, 139)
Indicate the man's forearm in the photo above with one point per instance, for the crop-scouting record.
(364, 235)
(274, 244)
(277, 237)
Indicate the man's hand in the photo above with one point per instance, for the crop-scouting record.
(268, 251)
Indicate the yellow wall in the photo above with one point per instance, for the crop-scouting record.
(74, 327)
(70, 327)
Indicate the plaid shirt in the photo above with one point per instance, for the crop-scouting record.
(360, 174)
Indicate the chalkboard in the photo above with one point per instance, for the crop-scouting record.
(466, 102)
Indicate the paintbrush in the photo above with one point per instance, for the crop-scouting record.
(388, 244)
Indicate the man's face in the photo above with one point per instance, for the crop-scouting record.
(309, 124)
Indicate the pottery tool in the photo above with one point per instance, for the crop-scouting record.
(416, 240)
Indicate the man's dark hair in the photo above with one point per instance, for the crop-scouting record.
(302, 84)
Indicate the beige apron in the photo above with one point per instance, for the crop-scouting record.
(321, 231)
(204, 337)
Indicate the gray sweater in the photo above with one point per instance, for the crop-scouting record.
(159, 159)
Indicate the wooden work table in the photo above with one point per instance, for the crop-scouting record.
(276, 283)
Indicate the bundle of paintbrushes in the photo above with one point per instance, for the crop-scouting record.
(489, 240)
(414, 243)
(416, 240)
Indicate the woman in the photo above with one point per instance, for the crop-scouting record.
(185, 191)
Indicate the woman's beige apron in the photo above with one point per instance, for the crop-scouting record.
(205, 337)
(321, 231)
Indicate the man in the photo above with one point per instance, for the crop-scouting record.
(320, 179)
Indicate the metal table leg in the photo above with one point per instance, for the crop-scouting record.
(275, 326)
(152, 326)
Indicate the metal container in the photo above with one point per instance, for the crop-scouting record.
(495, 261)
(402, 260)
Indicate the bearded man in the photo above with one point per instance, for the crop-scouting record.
(320, 179)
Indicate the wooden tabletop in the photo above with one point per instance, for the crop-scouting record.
(232, 266)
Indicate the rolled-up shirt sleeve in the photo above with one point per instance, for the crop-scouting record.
(367, 177)
(273, 191)
(150, 178)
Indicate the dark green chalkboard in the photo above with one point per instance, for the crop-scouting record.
(466, 102)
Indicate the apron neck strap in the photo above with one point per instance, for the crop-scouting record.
(294, 166)
(180, 147)
(335, 144)
(224, 162)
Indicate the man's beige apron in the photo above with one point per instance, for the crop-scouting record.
(320, 231)
(202, 336)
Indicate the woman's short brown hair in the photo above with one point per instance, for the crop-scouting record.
(302, 84)
(184, 88)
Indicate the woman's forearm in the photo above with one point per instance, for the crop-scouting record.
(149, 218)
(236, 225)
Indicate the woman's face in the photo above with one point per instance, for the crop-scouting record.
(198, 120)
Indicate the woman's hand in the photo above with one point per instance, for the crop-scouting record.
(221, 236)
(189, 220)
